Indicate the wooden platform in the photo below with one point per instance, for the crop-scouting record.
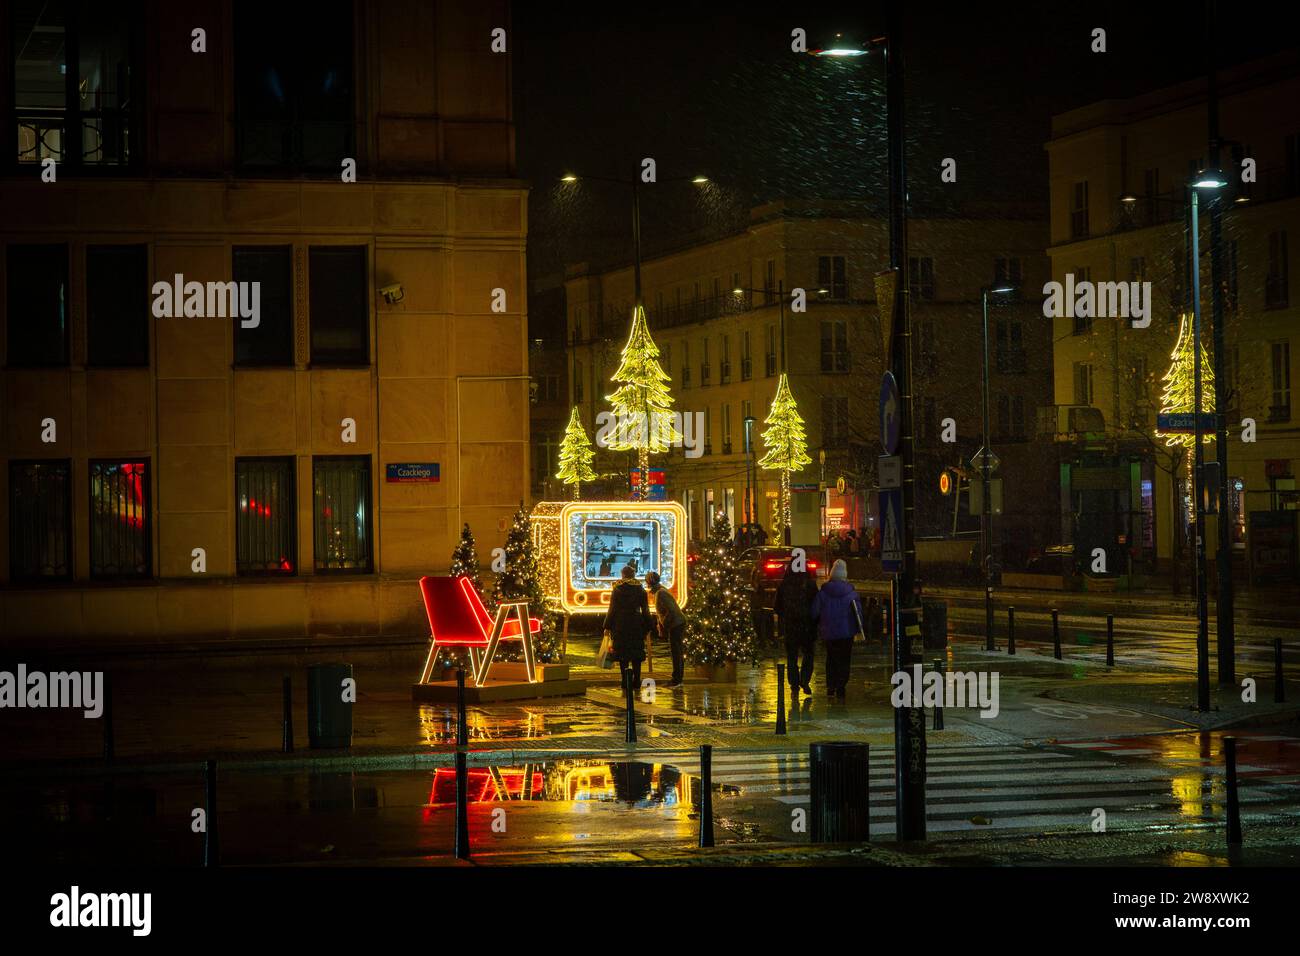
(507, 681)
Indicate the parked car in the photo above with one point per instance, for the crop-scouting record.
(767, 567)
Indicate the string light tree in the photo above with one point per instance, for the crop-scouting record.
(522, 581)
(464, 564)
(721, 632)
(642, 417)
(786, 443)
(576, 455)
(1179, 396)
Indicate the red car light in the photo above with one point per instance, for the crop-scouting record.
(773, 565)
(813, 565)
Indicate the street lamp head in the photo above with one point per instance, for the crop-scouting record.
(737, 291)
(841, 48)
(1209, 179)
(1128, 198)
(700, 180)
(1003, 288)
(568, 178)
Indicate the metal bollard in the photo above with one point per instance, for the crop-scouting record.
(780, 699)
(1279, 678)
(630, 735)
(286, 735)
(462, 807)
(1110, 640)
(1011, 629)
(462, 728)
(989, 644)
(706, 795)
(210, 851)
(108, 718)
(940, 665)
(1056, 634)
(1234, 809)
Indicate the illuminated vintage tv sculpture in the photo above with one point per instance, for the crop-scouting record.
(583, 546)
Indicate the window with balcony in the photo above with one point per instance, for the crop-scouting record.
(705, 370)
(726, 429)
(266, 516)
(1280, 406)
(920, 277)
(746, 358)
(724, 368)
(770, 356)
(121, 540)
(1276, 281)
(294, 107)
(835, 346)
(77, 80)
(1079, 210)
(831, 277)
(37, 302)
(686, 364)
(708, 430)
(40, 520)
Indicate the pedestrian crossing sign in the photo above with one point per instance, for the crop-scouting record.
(891, 530)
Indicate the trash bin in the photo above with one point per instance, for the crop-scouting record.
(934, 625)
(840, 792)
(329, 716)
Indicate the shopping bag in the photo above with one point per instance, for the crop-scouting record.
(862, 631)
(605, 655)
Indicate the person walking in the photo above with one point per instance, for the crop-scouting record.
(794, 615)
(838, 612)
(672, 624)
(628, 622)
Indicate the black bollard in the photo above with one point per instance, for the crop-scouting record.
(1011, 629)
(1234, 810)
(108, 717)
(706, 795)
(462, 729)
(1056, 634)
(286, 736)
(1110, 640)
(1279, 679)
(630, 735)
(989, 644)
(940, 665)
(210, 853)
(780, 699)
(462, 807)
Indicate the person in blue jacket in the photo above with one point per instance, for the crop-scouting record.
(838, 612)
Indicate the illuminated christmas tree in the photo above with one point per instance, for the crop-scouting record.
(576, 455)
(642, 419)
(464, 560)
(1180, 386)
(785, 441)
(522, 581)
(721, 629)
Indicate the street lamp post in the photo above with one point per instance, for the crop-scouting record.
(749, 464)
(780, 299)
(986, 452)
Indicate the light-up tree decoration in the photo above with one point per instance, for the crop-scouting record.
(576, 455)
(1179, 394)
(785, 441)
(642, 419)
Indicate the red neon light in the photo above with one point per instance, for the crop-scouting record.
(457, 617)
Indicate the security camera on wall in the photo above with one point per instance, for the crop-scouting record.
(392, 293)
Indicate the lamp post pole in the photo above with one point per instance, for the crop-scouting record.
(1198, 475)
(986, 509)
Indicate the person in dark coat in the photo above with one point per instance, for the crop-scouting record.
(838, 610)
(794, 602)
(628, 622)
(672, 624)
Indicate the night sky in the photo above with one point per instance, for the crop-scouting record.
(714, 88)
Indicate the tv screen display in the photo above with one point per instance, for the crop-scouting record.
(609, 545)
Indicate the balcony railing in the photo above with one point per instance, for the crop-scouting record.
(724, 373)
(704, 375)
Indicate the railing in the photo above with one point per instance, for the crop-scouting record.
(724, 373)
(105, 135)
(704, 375)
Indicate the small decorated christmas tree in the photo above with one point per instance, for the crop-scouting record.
(576, 455)
(1179, 395)
(521, 580)
(464, 560)
(786, 442)
(643, 421)
(721, 628)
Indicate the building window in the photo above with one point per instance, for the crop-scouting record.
(1280, 409)
(1006, 272)
(666, 357)
(1010, 348)
(293, 101)
(769, 282)
(835, 421)
(341, 512)
(1275, 283)
(831, 279)
(340, 314)
(120, 538)
(746, 357)
(1082, 323)
(270, 342)
(1079, 211)
(835, 347)
(83, 116)
(266, 516)
(770, 357)
(577, 381)
(746, 412)
(724, 369)
(37, 303)
(920, 277)
(545, 458)
(686, 364)
(726, 429)
(708, 430)
(1082, 383)
(40, 520)
(704, 365)
(117, 306)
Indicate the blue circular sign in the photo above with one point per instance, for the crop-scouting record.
(891, 414)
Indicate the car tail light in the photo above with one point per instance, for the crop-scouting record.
(813, 565)
(774, 565)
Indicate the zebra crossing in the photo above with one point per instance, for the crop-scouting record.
(973, 788)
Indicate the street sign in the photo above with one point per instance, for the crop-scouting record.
(891, 414)
(978, 460)
(655, 484)
(891, 530)
(1183, 423)
(890, 471)
(976, 505)
(412, 471)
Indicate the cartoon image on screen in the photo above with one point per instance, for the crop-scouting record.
(609, 545)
